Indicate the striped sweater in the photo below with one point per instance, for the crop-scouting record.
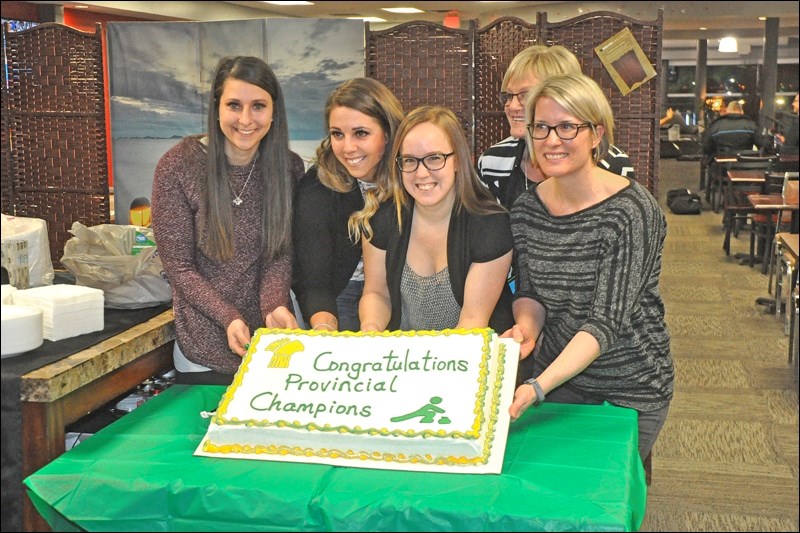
(597, 271)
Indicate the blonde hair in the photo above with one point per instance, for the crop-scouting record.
(542, 62)
(471, 194)
(581, 97)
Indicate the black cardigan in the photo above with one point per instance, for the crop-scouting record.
(470, 239)
(324, 256)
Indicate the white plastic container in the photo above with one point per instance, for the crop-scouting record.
(21, 329)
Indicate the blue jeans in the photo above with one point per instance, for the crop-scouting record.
(347, 306)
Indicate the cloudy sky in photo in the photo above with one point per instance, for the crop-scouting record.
(160, 72)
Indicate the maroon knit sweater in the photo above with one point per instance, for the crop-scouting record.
(207, 294)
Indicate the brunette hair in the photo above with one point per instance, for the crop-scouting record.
(273, 160)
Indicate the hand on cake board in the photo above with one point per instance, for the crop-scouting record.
(238, 337)
(526, 340)
(282, 318)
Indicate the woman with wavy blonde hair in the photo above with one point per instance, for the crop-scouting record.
(361, 117)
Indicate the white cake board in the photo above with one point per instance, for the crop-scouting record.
(493, 465)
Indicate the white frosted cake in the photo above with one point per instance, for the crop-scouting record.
(411, 400)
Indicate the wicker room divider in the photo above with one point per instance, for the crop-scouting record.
(425, 63)
(406, 56)
(495, 47)
(55, 162)
(636, 115)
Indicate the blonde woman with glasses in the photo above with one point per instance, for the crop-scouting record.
(589, 246)
(506, 167)
(437, 246)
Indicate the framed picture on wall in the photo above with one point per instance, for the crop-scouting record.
(625, 61)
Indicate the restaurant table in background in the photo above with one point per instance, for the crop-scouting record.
(55, 385)
(769, 205)
(567, 467)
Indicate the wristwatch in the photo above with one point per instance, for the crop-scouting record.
(537, 389)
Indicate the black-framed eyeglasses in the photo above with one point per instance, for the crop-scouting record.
(437, 161)
(566, 131)
(505, 98)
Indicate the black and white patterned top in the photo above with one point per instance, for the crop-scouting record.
(428, 301)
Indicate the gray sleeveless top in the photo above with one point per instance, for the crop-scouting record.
(427, 302)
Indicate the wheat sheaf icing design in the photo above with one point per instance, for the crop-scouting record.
(282, 350)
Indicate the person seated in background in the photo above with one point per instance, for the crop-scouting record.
(671, 117)
(789, 139)
(731, 133)
(506, 167)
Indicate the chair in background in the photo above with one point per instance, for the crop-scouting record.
(787, 163)
(736, 210)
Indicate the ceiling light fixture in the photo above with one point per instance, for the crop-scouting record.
(403, 10)
(452, 20)
(291, 3)
(367, 19)
(728, 45)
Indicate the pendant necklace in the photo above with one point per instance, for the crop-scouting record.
(237, 198)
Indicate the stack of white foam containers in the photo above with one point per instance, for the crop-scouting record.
(67, 310)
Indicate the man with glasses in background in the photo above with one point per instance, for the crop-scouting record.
(506, 166)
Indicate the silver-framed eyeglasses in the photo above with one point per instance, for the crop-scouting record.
(566, 131)
(505, 98)
(437, 161)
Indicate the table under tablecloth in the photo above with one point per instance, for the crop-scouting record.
(566, 467)
(13, 368)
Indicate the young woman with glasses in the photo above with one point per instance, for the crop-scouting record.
(506, 167)
(437, 246)
(588, 246)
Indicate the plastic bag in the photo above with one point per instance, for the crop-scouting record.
(121, 260)
(26, 251)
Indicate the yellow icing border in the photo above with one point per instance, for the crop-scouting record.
(474, 433)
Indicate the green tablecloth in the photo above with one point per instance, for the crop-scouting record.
(567, 467)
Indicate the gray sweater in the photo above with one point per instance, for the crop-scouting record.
(597, 271)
